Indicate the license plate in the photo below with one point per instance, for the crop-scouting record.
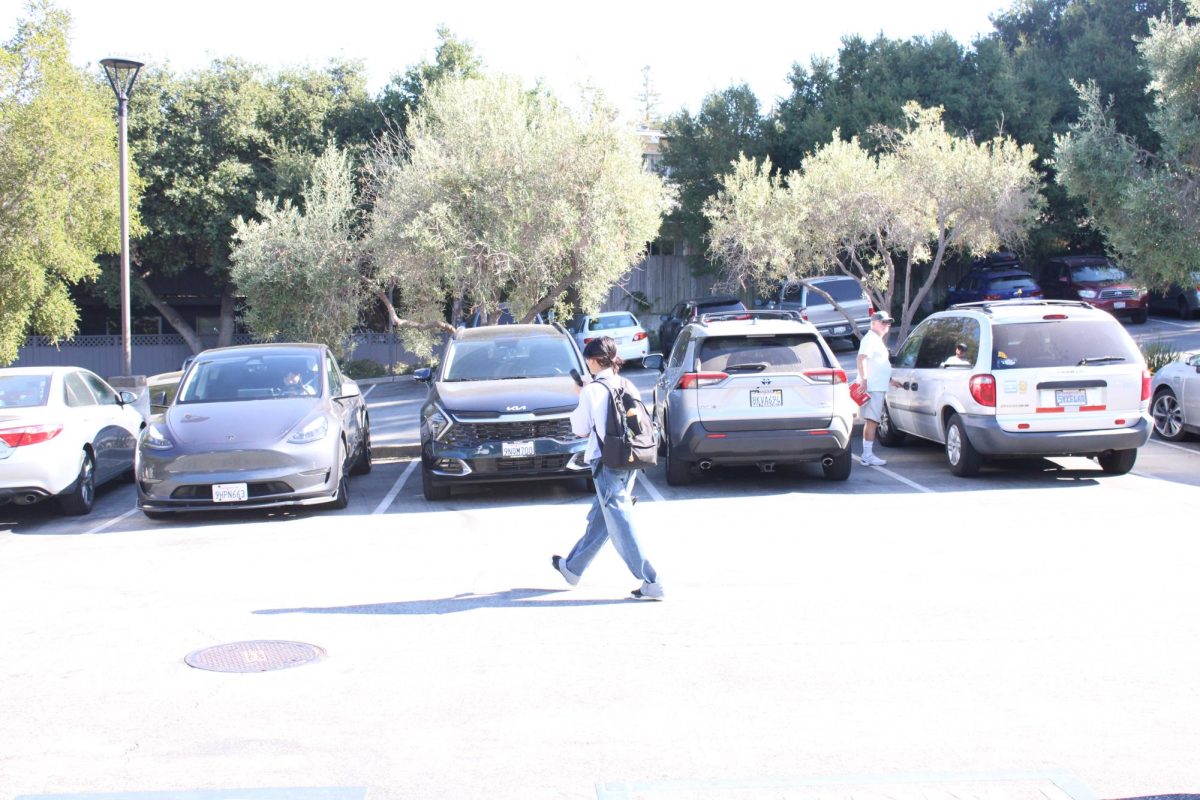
(840, 329)
(516, 449)
(1070, 397)
(229, 492)
(1119, 304)
(769, 398)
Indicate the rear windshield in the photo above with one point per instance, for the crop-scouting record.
(609, 323)
(24, 391)
(1097, 273)
(1009, 282)
(713, 308)
(255, 377)
(792, 352)
(496, 359)
(846, 291)
(1062, 343)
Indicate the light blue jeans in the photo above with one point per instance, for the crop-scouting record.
(610, 518)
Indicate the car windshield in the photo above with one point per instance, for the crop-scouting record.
(1097, 273)
(608, 323)
(253, 377)
(790, 352)
(24, 391)
(517, 357)
(1061, 343)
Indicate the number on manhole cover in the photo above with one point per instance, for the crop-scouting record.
(258, 656)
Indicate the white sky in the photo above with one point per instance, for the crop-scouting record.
(691, 48)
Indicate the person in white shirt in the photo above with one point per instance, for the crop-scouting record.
(875, 375)
(610, 516)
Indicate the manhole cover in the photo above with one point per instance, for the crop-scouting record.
(254, 656)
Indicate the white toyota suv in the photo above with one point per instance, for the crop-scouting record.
(1038, 378)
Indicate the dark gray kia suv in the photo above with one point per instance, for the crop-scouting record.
(498, 408)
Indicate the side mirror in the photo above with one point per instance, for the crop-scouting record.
(424, 374)
(758, 302)
(127, 398)
(653, 361)
(350, 389)
(894, 359)
(159, 398)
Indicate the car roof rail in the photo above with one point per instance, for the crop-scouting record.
(988, 305)
(727, 316)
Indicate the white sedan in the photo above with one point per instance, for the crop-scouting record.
(1176, 397)
(63, 432)
(633, 343)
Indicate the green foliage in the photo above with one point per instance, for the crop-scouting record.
(1145, 202)
(59, 184)
(362, 368)
(402, 97)
(299, 269)
(1158, 355)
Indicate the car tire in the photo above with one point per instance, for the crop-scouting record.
(433, 490)
(839, 470)
(962, 457)
(1139, 317)
(1168, 416)
(362, 464)
(662, 436)
(80, 498)
(1117, 462)
(679, 473)
(888, 434)
(342, 498)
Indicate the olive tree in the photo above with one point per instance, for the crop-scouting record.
(888, 219)
(503, 194)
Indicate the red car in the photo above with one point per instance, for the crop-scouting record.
(1097, 281)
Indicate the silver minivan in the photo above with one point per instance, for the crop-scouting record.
(752, 388)
(816, 308)
(1032, 378)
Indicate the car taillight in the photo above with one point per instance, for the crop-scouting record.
(29, 434)
(1145, 385)
(1036, 293)
(870, 310)
(637, 337)
(833, 376)
(589, 340)
(983, 390)
(992, 297)
(696, 380)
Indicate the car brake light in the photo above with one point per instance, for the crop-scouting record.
(696, 380)
(29, 434)
(589, 340)
(870, 310)
(1055, 316)
(983, 390)
(833, 376)
(992, 297)
(637, 337)
(1145, 385)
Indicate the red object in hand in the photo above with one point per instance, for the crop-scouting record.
(859, 393)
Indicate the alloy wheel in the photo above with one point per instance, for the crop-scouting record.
(1168, 416)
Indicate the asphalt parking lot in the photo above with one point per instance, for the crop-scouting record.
(1028, 633)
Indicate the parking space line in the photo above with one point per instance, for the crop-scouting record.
(904, 480)
(1176, 324)
(1176, 447)
(387, 501)
(105, 525)
(370, 389)
(651, 489)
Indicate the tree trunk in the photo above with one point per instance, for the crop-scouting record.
(408, 323)
(172, 316)
(228, 306)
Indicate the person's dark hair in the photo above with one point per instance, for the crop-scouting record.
(961, 346)
(604, 350)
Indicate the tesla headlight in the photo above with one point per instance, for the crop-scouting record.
(312, 432)
(434, 421)
(154, 439)
(1087, 294)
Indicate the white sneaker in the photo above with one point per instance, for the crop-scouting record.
(560, 564)
(648, 591)
(872, 461)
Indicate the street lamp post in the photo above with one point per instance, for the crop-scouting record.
(121, 74)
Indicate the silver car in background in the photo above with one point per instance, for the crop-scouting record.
(633, 343)
(1176, 397)
(255, 427)
(816, 308)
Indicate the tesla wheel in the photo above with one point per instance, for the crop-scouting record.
(839, 470)
(1118, 462)
(362, 464)
(679, 473)
(80, 498)
(961, 455)
(888, 435)
(342, 498)
(1168, 416)
(433, 490)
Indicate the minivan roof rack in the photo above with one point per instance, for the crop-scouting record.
(725, 316)
(987, 305)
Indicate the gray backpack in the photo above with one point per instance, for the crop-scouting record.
(630, 440)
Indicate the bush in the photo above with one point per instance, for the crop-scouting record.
(1158, 355)
(359, 368)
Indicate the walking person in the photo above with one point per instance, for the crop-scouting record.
(875, 375)
(610, 516)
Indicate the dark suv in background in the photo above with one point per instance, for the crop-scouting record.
(498, 408)
(688, 310)
(1000, 276)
